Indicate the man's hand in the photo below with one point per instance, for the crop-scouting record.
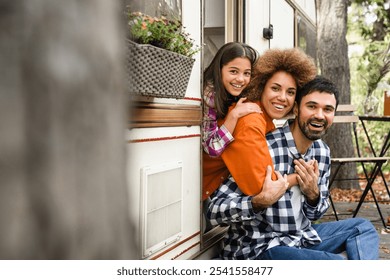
(308, 174)
(272, 190)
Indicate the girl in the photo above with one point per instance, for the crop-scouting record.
(225, 79)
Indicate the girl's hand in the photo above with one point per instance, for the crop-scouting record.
(244, 108)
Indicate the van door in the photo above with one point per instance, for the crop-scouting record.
(262, 24)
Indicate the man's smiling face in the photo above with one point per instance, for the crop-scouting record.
(316, 114)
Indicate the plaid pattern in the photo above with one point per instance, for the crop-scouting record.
(252, 233)
(215, 139)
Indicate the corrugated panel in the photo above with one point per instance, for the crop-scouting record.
(161, 206)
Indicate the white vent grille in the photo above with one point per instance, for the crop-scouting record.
(161, 206)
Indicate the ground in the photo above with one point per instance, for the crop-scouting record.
(352, 195)
(346, 201)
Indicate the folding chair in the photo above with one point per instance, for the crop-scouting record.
(338, 163)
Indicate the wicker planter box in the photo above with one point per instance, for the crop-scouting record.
(157, 72)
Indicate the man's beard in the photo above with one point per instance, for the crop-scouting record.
(312, 134)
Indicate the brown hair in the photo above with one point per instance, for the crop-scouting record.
(212, 74)
(293, 61)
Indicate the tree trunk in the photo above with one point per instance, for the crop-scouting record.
(63, 192)
(334, 64)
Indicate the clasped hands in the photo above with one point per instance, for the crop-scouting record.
(306, 174)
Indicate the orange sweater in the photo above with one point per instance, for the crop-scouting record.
(246, 157)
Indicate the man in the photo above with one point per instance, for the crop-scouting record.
(273, 225)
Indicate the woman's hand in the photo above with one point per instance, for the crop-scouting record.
(272, 190)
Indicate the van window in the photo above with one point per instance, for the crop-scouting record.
(307, 36)
(213, 29)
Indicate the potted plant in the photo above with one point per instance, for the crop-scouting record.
(159, 61)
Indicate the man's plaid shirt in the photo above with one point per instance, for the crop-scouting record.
(252, 233)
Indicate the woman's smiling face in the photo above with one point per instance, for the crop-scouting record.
(279, 93)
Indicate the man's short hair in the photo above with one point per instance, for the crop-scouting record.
(319, 83)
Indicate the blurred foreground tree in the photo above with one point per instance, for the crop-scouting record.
(63, 191)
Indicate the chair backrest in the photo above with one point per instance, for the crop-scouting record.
(346, 114)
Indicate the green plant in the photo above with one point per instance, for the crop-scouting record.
(160, 32)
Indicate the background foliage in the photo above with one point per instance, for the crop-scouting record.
(369, 56)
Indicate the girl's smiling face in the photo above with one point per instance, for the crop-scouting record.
(279, 93)
(236, 75)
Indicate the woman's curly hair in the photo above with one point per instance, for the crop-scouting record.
(293, 61)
